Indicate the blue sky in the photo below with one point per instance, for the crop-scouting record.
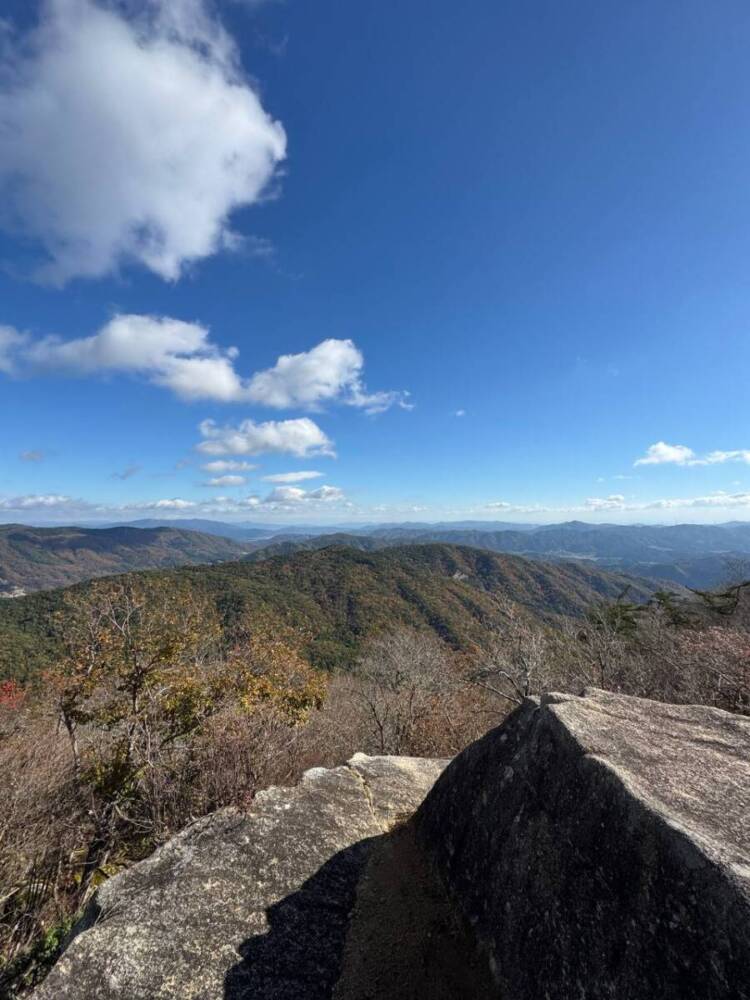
(504, 249)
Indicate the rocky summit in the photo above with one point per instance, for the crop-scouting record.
(590, 847)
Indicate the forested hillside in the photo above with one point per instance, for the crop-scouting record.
(691, 555)
(341, 596)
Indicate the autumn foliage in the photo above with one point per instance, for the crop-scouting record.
(163, 705)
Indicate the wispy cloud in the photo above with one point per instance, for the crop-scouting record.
(41, 501)
(226, 481)
(282, 499)
(227, 465)
(35, 455)
(11, 342)
(617, 502)
(127, 473)
(292, 477)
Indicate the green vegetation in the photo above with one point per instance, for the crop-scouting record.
(341, 596)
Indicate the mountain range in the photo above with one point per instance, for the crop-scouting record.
(691, 555)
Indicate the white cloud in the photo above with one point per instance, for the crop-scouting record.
(291, 477)
(280, 500)
(226, 481)
(719, 457)
(719, 499)
(295, 495)
(615, 501)
(227, 465)
(37, 501)
(181, 357)
(129, 133)
(301, 437)
(173, 503)
(169, 352)
(662, 453)
(330, 371)
(460, 413)
(618, 502)
(32, 456)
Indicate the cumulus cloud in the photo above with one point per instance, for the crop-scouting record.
(662, 453)
(330, 371)
(295, 495)
(301, 437)
(169, 352)
(150, 133)
(292, 477)
(181, 357)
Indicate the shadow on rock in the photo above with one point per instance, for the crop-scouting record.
(372, 924)
(300, 956)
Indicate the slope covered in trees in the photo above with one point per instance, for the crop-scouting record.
(340, 596)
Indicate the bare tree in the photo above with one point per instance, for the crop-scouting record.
(403, 681)
(517, 660)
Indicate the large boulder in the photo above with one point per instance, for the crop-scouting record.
(241, 905)
(599, 847)
(592, 848)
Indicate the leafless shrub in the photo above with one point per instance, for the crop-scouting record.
(409, 694)
(525, 657)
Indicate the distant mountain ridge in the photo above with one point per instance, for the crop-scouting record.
(688, 555)
(691, 555)
(41, 558)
